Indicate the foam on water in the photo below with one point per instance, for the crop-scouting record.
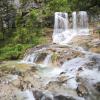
(62, 34)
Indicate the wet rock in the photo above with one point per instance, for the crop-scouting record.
(6, 70)
(16, 82)
(47, 96)
(8, 78)
(96, 42)
(80, 69)
(41, 57)
(53, 85)
(95, 58)
(7, 91)
(62, 97)
(82, 90)
(24, 95)
(24, 85)
(97, 86)
(95, 49)
(62, 78)
(37, 94)
(90, 65)
(98, 67)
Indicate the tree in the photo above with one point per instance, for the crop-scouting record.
(7, 15)
(92, 6)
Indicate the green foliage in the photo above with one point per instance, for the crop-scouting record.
(13, 51)
(1, 35)
(39, 40)
(57, 6)
(21, 35)
(92, 6)
(55, 57)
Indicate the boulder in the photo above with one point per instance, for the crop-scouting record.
(81, 90)
(41, 57)
(97, 86)
(95, 58)
(62, 97)
(39, 95)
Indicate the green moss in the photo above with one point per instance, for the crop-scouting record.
(54, 57)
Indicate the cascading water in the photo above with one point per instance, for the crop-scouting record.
(74, 18)
(62, 34)
(83, 23)
(31, 58)
(47, 60)
(61, 22)
(60, 26)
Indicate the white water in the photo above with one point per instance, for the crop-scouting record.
(62, 33)
(31, 58)
(74, 17)
(47, 60)
(60, 27)
(73, 65)
(25, 95)
(83, 23)
(61, 22)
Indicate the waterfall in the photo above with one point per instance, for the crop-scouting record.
(61, 22)
(47, 60)
(62, 33)
(31, 58)
(83, 23)
(74, 18)
(60, 26)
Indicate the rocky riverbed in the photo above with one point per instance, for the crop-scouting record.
(70, 72)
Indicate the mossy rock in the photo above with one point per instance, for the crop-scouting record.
(55, 57)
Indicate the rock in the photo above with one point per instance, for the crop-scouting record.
(81, 90)
(62, 97)
(95, 58)
(80, 69)
(16, 82)
(41, 57)
(24, 95)
(95, 49)
(97, 86)
(98, 67)
(6, 79)
(47, 96)
(7, 92)
(62, 78)
(37, 94)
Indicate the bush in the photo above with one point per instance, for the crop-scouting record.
(13, 52)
